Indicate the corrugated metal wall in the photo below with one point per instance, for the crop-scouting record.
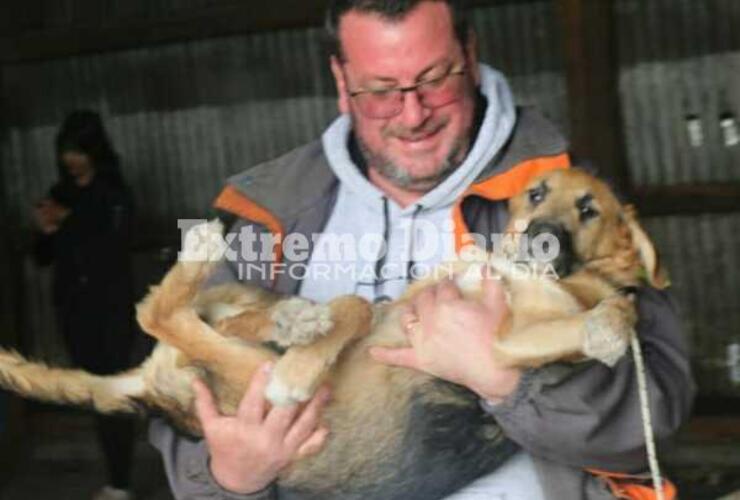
(185, 116)
(680, 67)
(701, 254)
(44, 15)
(523, 41)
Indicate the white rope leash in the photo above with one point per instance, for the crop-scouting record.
(647, 423)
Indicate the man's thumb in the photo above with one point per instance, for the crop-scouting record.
(405, 356)
(494, 296)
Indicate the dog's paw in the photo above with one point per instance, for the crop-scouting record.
(300, 322)
(609, 330)
(296, 376)
(280, 393)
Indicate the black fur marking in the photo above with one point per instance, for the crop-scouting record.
(585, 207)
(446, 447)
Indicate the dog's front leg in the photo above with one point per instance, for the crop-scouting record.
(602, 333)
(287, 322)
(302, 368)
(609, 329)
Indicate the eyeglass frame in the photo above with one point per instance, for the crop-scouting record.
(412, 88)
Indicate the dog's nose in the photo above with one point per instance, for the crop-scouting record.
(539, 227)
(562, 257)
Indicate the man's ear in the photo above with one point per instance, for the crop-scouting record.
(342, 92)
(655, 274)
(471, 54)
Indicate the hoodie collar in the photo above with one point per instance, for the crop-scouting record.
(495, 130)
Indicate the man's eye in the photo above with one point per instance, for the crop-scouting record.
(382, 93)
(433, 83)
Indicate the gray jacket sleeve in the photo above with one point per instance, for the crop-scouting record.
(588, 415)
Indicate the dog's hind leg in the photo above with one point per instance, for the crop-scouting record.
(229, 360)
(182, 282)
(303, 367)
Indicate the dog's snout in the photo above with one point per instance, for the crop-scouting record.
(540, 234)
(540, 227)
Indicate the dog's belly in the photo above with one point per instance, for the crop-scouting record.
(429, 447)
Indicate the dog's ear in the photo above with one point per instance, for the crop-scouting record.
(655, 273)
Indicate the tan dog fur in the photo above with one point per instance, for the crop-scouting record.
(580, 315)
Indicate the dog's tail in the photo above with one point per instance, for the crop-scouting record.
(106, 394)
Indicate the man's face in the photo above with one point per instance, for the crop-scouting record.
(420, 146)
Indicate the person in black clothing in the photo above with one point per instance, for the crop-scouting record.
(84, 224)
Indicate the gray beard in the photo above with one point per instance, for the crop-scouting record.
(401, 178)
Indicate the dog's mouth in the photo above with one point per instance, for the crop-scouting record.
(550, 243)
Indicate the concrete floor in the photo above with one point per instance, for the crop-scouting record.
(62, 461)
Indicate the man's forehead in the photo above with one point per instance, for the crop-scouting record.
(379, 47)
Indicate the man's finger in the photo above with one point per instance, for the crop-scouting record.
(494, 297)
(424, 303)
(253, 405)
(309, 419)
(405, 357)
(280, 418)
(448, 291)
(313, 444)
(205, 405)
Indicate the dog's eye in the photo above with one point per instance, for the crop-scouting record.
(587, 212)
(537, 194)
(585, 208)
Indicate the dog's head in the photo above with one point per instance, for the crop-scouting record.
(593, 229)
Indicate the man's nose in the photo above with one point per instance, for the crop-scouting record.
(414, 112)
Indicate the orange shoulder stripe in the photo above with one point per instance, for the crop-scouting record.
(232, 201)
(503, 187)
(630, 487)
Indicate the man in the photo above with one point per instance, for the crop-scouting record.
(427, 135)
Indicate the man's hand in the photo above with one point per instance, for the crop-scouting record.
(452, 338)
(249, 449)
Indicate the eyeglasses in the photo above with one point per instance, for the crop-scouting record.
(433, 93)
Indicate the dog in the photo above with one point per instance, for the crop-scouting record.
(395, 433)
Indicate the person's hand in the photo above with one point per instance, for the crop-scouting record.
(57, 212)
(49, 214)
(249, 449)
(452, 338)
(43, 217)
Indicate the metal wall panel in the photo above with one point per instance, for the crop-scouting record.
(680, 59)
(186, 116)
(524, 41)
(41, 15)
(700, 253)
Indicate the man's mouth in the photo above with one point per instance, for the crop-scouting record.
(420, 140)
